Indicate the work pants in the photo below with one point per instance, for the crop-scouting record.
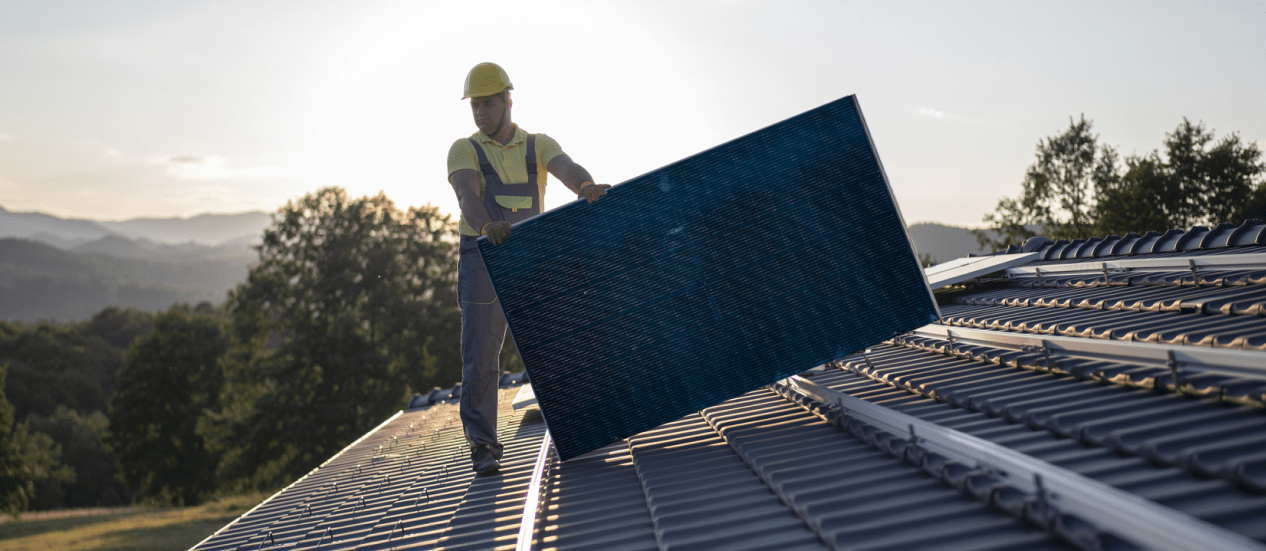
(483, 333)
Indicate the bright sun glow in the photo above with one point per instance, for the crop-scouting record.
(390, 107)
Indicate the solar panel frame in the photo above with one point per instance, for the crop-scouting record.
(709, 277)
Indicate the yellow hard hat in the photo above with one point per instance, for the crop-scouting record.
(486, 79)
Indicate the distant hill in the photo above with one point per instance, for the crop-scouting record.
(32, 224)
(944, 243)
(206, 229)
(238, 250)
(41, 282)
(67, 233)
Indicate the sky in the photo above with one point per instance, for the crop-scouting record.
(123, 109)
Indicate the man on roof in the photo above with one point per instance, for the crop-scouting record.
(496, 177)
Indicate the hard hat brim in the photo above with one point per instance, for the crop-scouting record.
(492, 94)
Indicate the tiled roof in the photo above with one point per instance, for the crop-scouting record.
(1084, 409)
(1197, 240)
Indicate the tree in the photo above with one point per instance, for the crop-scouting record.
(60, 380)
(73, 364)
(25, 459)
(353, 305)
(172, 377)
(1136, 202)
(1198, 181)
(1012, 222)
(1193, 184)
(1256, 206)
(1058, 192)
(80, 438)
(1210, 184)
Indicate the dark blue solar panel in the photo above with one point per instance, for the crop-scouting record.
(710, 277)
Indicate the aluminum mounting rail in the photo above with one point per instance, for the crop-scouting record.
(1253, 261)
(1238, 363)
(963, 269)
(532, 503)
(1128, 516)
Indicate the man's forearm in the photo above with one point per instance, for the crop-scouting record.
(576, 175)
(466, 183)
(473, 211)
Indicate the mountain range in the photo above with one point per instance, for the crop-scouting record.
(68, 269)
(203, 229)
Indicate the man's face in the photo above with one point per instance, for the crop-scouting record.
(488, 111)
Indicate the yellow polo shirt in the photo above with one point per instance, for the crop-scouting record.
(506, 159)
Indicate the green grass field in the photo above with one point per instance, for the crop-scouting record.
(138, 528)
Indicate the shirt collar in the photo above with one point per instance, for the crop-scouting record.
(519, 137)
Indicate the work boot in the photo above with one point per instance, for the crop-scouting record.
(485, 462)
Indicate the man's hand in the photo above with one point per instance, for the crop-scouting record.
(497, 232)
(592, 192)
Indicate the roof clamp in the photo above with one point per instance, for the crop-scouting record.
(400, 525)
(329, 531)
(1046, 352)
(1195, 272)
(307, 510)
(915, 440)
(839, 403)
(1038, 271)
(868, 364)
(423, 493)
(1105, 274)
(268, 538)
(1173, 370)
(1042, 502)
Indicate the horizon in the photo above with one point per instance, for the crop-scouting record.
(176, 217)
(142, 110)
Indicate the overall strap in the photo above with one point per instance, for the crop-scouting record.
(490, 174)
(531, 158)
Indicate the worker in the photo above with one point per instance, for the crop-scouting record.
(496, 177)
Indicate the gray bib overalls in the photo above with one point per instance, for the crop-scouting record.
(483, 322)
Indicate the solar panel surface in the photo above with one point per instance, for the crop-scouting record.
(707, 278)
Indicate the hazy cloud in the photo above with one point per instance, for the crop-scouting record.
(929, 112)
(6, 137)
(948, 117)
(212, 167)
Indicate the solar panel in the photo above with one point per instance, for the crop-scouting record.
(707, 278)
